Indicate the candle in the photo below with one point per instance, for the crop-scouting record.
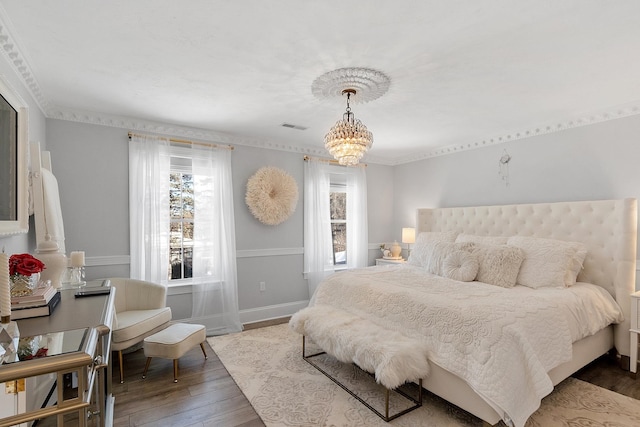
(77, 259)
(5, 289)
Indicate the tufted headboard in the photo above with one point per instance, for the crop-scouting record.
(607, 227)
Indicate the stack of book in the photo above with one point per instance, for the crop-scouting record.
(41, 302)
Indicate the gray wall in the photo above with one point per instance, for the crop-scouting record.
(91, 165)
(599, 161)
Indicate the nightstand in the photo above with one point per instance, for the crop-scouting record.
(382, 261)
(635, 330)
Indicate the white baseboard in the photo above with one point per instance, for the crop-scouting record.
(269, 312)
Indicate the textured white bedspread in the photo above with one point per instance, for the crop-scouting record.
(500, 341)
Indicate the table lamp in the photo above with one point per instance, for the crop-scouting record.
(408, 237)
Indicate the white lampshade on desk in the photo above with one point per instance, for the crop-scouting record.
(408, 237)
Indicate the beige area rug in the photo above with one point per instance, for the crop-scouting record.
(285, 390)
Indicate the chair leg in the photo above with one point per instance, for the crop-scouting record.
(146, 366)
(121, 367)
(203, 351)
(175, 370)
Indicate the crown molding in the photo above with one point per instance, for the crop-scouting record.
(134, 124)
(622, 111)
(19, 63)
(625, 110)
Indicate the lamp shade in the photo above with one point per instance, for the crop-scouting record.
(408, 235)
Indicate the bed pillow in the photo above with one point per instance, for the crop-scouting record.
(483, 240)
(549, 263)
(498, 265)
(438, 252)
(420, 250)
(461, 266)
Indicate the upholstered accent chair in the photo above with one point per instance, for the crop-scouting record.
(141, 311)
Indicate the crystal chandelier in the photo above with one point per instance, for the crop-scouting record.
(348, 139)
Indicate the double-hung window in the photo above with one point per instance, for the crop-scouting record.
(181, 212)
(338, 206)
(335, 219)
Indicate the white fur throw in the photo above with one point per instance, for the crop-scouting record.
(393, 358)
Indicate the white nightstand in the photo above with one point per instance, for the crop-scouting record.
(635, 330)
(382, 261)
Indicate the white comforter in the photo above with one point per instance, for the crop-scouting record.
(500, 341)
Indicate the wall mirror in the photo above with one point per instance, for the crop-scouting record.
(14, 176)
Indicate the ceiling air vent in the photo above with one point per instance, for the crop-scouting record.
(290, 126)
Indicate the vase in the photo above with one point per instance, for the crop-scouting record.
(22, 285)
(56, 265)
(395, 250)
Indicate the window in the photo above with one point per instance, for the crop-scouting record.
(181, 209)
(338, 206)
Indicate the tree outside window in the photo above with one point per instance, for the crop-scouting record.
(181, 208)
(338, 206)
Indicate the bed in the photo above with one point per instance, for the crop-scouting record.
(387, 296)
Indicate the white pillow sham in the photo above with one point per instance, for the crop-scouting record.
(420, 251)
(548, 262)
(483, 240)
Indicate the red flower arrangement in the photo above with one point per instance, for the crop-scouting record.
(25, 265)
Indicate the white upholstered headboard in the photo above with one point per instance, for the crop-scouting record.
(607, 227)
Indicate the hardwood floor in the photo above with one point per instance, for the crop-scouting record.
(206, 395)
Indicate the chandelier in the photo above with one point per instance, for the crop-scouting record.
(348, 139)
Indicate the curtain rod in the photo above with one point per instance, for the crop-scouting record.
(331, 161)
(186, 141)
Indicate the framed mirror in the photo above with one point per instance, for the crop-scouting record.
(14, 176)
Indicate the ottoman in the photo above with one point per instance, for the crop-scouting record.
(172, 343)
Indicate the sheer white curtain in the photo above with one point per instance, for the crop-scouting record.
(318, 250)
(357, 223)
(318, 253)
(149, 168)
(215, 283)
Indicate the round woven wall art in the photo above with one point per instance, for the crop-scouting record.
(272, 195)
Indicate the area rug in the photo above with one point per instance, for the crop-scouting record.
(285, 390)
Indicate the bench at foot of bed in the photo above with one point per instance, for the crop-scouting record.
(393, 358)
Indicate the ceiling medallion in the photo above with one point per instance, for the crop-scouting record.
(370, 84)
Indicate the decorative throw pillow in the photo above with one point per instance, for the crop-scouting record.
(437, 253)
(421, 248)
(498, 265)
(549, 262)
(483, 240)
(461, 266)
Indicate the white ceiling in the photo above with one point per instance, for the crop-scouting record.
(463, 73)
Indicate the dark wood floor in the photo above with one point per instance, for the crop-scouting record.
(207, 396)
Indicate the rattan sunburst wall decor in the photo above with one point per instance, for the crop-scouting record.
(272, 195)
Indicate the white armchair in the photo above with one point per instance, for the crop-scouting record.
(141, 311)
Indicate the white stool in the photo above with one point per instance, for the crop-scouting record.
(172, 343)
